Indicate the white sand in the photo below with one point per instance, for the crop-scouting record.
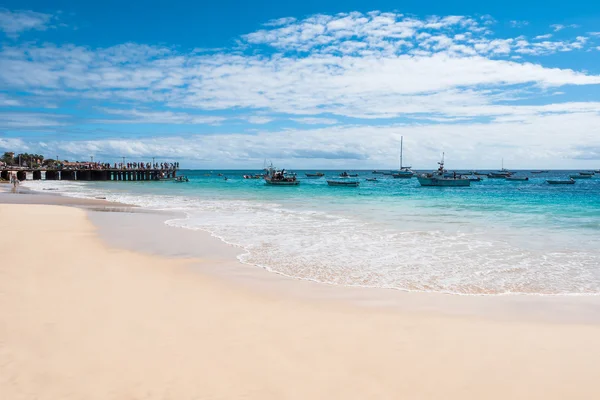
(79, 320)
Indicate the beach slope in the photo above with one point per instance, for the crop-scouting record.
(80, 320)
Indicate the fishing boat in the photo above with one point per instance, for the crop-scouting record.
(403, 172)
(517, 178)
(560, 182)
(580, 176)
(347, 175)
(315, 175)
(540, 172)
(181, 179)
(437, 178)
(276, 177)
(586, 173)
(378, 172)
(371, 179)
(257, 176)
(343, 183)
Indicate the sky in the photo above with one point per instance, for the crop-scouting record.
(311, 84)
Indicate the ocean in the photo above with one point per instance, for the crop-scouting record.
(493, 238)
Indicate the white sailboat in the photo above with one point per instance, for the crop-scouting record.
(403, 172)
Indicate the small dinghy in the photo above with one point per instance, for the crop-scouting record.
(580, 176)
(560, 182)
(517, 178)
(343, 183)
(371, 179)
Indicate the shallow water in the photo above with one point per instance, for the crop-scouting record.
(495, 237)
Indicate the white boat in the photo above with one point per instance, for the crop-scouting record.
(437, 178)
(578, 176)
(277, 177)
(403, 172)
(560, 182)
(343, 183)
(503, 173)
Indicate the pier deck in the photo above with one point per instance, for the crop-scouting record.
(109, 174)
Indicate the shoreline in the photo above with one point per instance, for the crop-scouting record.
(99, 322)
(144, 231)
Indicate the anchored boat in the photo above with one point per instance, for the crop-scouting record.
(560, 182)
(517, 178)
(580, 176)
(403, 172)
(315, 175)
(438, 178)
(277, 177)
(343, 183)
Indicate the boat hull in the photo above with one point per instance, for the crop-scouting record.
(343, 184)
(282, 183)
(402, 176)
(571, 182)
(424, 181)
(580, 176)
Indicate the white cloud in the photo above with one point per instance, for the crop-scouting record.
(9, 101)
(259, 119)
(315, 121)
(560, 27)
(451, 70)
(159, 117)
(467, 144)
(24, 120)
(518, 24)
(12, 23)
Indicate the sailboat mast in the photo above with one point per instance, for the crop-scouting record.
(401, 142)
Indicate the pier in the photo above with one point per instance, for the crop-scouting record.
(108, 174)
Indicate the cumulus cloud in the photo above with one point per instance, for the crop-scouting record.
(12, 23)
(548, 136)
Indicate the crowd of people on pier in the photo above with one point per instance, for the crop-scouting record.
(163, 166)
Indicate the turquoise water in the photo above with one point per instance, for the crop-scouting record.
(495, 237)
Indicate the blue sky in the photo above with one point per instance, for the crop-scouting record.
(323, 84)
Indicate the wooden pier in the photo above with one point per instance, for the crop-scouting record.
(122, 175)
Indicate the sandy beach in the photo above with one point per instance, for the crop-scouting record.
(82, 319)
